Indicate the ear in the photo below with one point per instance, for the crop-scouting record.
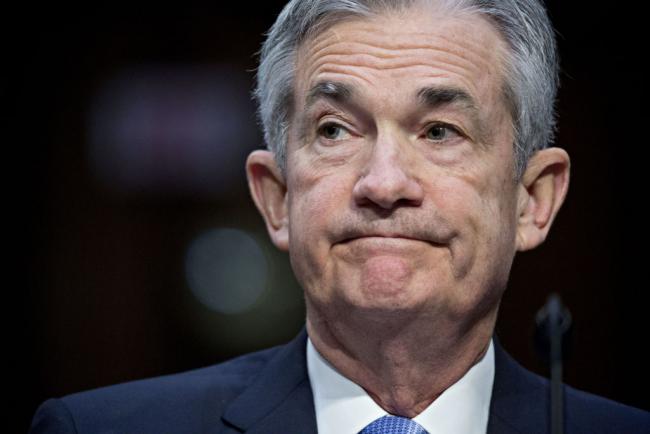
(269, 191)
(542, 191)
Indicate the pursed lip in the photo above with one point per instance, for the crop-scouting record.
(381, 236)
(387, 237)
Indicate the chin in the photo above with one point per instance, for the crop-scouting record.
(387, 299)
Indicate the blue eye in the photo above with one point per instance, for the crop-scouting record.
(332, 131)
(438, 132)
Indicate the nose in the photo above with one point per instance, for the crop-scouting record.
(387, 180)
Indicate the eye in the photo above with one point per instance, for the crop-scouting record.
(439, 132)
(332, 131)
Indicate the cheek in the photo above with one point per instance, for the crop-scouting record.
(495, 229)
(312, 205)
(315, 200)
(460, 204)
(482, 253)
(481, 209)
(317, 191)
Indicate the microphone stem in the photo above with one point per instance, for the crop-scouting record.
(557, 418)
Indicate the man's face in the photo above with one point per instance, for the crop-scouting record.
(400, 170)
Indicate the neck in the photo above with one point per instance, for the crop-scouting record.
(402, 365)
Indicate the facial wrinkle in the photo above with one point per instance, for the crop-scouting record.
(434, 58)
(360, 68)
(455, 34)
(414, 54)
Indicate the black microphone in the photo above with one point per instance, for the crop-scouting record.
(552, 338)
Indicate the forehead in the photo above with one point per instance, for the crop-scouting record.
(397, 52)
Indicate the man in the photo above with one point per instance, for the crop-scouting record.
(408, 163)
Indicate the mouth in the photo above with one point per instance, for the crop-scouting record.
(373, 245)
(387, 242)
(387, 239)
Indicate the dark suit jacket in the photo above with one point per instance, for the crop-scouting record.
(268, 392)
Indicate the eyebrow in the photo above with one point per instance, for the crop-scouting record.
(332, 90)
(436, 96)
(430, 96)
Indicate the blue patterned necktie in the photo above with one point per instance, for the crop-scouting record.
(393, 425)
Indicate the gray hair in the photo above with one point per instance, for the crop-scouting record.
(531, 66)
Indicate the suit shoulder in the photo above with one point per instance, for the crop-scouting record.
(152, 404)
(603, 414)
(589, 413)
(521, 400)
(232, 375)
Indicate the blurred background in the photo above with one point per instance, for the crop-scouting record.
(136, 248)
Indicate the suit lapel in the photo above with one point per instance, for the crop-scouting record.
(280, 399)
(519, 401)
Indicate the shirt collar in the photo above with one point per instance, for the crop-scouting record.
(343, 407)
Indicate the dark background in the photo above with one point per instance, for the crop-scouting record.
(100, 293)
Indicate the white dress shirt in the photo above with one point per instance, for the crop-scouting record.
(343, 407)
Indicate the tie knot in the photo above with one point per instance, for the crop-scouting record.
(393, 425)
